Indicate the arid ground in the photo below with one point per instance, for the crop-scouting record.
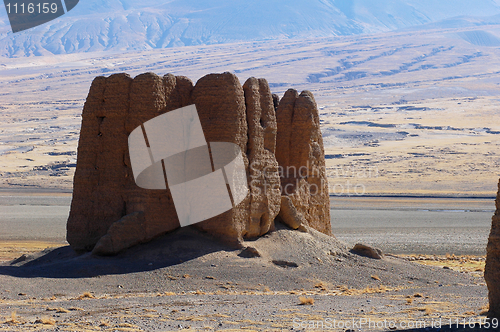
(185, 280)
(409, 114)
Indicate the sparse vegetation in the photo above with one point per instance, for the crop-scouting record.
(306, 300)
(320, 285)
(45, 321)
(484, 310)
(344, 290)
(75, 309)
(127, 325)
(13, 319)
(464, 263)
(86, 295)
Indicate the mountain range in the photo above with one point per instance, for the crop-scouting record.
(127, 25)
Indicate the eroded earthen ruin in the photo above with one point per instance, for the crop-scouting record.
(281, 143)
(492, 269)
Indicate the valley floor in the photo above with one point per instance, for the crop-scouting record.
(187, 281)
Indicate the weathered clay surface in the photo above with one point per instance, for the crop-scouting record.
(104, 189)
(301, 157)
(492, 269)
(289, 214)
(264, 180)
(220, 102)
(108, 206)
(122, 234)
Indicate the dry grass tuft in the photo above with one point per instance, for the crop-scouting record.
(375, 277)
(427, 310)
(320, 285)
(221, 316)
(484, 310)
(45, 321)
(13, 319)
(86, 295)
(127, 325)
(344, 290)
(199, 292)
(192, 318)
(306, 300)
(75, 309)
(379, 289)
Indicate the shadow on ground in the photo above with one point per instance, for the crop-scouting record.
(179, 246)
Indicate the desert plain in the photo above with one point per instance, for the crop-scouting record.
(411, 144)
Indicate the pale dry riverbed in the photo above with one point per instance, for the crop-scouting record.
(396, 225)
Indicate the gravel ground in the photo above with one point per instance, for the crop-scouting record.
(186, 280)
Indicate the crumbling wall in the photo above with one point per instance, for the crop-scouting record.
(492, 269)
(109, 212)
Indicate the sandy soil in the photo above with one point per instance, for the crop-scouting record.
(12, 249)
(186, 280)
